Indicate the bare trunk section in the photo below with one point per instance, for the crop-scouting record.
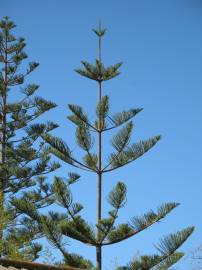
(99, 201)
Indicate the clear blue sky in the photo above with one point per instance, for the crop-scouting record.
(160, 43)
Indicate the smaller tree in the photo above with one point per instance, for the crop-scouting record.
(196, 258)
(24, 161)
(106, 230)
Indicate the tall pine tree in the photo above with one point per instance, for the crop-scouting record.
(23, 159)
(106, 231)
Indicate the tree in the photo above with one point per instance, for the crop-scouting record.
(24, 161)
(196, 258)
(106, 231)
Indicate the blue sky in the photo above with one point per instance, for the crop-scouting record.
(160, 44)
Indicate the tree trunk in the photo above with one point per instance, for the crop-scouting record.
(99, 257)
(99, 199)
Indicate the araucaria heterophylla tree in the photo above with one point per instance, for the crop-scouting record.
(89, 136)
(23, 159)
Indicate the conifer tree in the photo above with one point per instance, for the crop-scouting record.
(106, 231)
(23, 159)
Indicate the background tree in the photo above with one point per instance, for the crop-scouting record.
(106, 231)
(23, 158)
(195, 258)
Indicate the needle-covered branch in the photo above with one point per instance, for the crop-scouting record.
(131, 153)
(167, 253)
(120, 118)
(102, 112)
(117, 199)
(75, 227)
(138, 224)
(98, 72)
(79, 117)
(51, 226)
(60, 149)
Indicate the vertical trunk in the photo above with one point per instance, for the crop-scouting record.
(99, 205)
(99, 159)
(99, 199)
(99, 257)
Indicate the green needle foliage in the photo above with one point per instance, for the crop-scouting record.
(106, 230)
(23, 159)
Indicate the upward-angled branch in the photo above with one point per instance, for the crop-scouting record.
(168, 255)
(119, 142)
(79, 117)
(118, 119)
(132, 153)
(117, 199)
(60, 149)
(139, 224)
